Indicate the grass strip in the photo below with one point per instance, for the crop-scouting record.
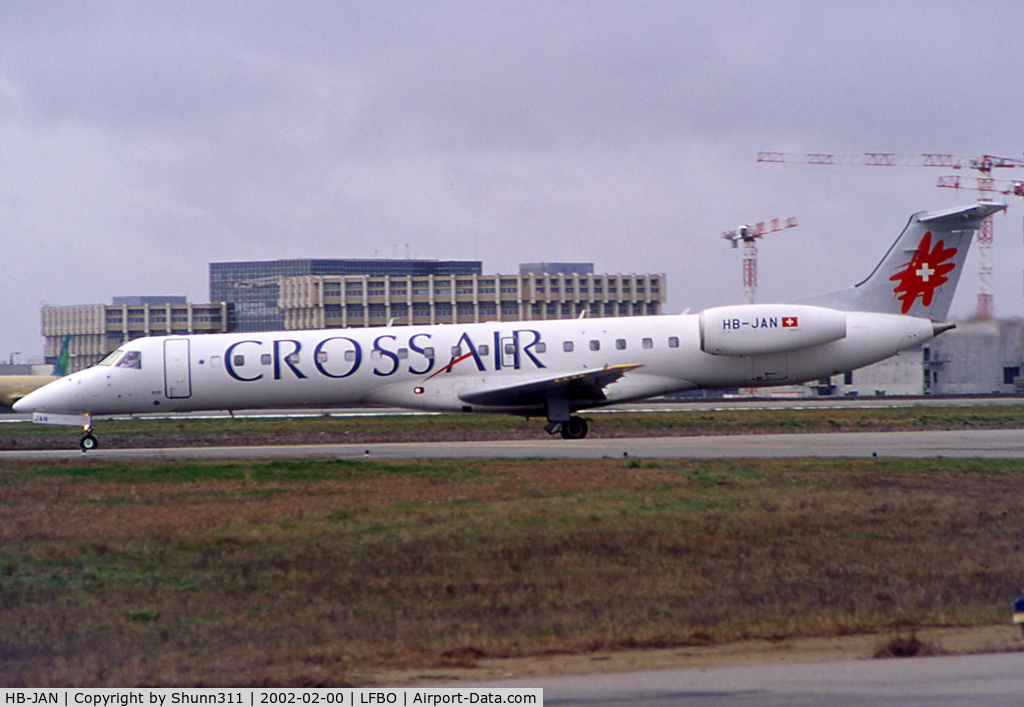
(235, 573)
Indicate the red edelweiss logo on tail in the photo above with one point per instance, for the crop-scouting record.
(925, 272)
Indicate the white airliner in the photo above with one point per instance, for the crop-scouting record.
(537, 368)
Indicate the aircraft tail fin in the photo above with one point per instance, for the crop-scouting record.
(919, 274)
(60, 366)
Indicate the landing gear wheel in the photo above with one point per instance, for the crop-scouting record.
(88, 442)
(575, 428)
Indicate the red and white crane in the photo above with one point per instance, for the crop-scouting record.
(748, 235)
(984, 186)
(983, 164)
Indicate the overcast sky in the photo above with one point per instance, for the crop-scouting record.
(138, 142)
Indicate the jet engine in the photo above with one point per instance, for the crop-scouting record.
(759, 329)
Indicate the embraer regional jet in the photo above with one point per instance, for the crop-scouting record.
(546, 369)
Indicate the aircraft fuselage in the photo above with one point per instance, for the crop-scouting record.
(431, 367)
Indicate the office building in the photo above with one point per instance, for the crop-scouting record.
(98, 329)
(334, 301)
(253, 286)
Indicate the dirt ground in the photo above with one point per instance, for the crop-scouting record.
(937, 641)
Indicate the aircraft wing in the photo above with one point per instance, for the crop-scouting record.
(577, 388)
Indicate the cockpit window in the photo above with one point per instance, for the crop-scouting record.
(110, 358)
(131, 359)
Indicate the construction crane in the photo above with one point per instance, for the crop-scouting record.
(748, 235)
(984, 186)
(984, 164)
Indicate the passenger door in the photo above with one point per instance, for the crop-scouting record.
(177, 376)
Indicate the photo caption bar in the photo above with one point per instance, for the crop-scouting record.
(260, 697)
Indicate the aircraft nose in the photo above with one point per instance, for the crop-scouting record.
(33, 402)
(56, 397)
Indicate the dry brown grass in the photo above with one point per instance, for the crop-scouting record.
(311, 572)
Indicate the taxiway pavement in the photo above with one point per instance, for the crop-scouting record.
(1007, 444)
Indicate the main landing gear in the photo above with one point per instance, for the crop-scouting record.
(573, 428)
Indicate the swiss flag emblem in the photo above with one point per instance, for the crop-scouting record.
(926, 271)
(789, 322)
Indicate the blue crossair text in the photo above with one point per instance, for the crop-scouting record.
(341, 356)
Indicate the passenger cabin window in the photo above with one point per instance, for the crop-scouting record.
(540, 347)
(648, 343)
(620, 344)
(266, 359)
(673, 342)
(595, 345)
(131, 359)
(567, 346)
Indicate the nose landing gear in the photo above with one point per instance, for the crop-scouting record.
(88, 441)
